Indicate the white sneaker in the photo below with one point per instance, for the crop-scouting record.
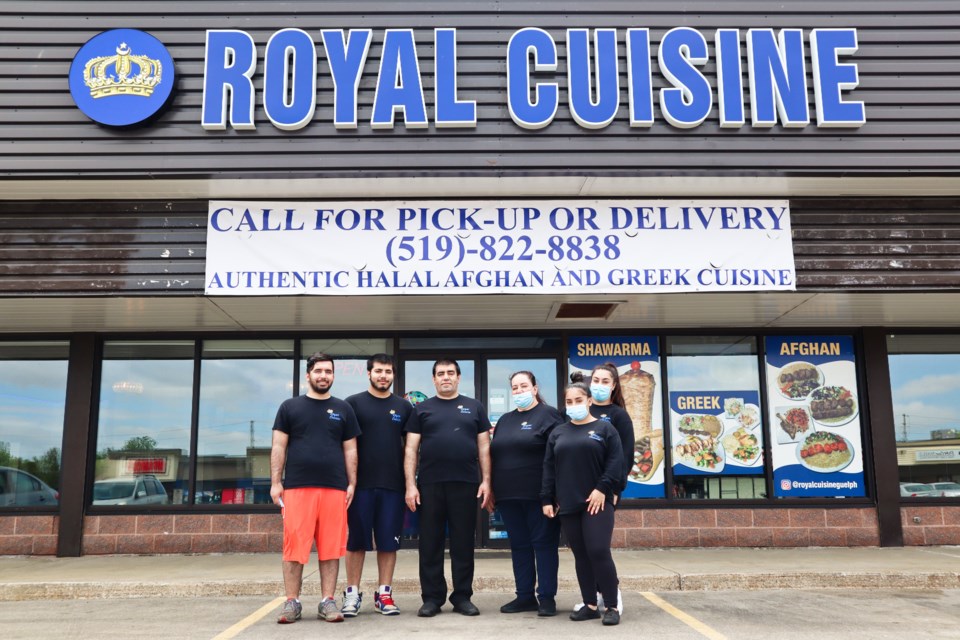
(579, 605)
(351, 603)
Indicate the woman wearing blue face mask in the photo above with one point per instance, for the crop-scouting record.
(516, 454)
(608, 405)
(581, 474)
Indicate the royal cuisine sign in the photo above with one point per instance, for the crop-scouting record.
(540, 247)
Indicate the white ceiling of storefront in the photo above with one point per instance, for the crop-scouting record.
(476, 313)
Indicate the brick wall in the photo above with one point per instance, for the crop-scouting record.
(182, 534)
(29, 535)
(639, 528)
(937, 525)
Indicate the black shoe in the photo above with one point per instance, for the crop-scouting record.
(466, 608)
(547, 608)
(585, 613)
(611, 617)
(518, 605)
(428, 610)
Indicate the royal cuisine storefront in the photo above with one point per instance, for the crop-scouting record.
(752, 212)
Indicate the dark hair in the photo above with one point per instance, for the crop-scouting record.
(318, 357)
(380, 358)
(616, 396)
(577, 382)
(533, 381)
(445, 361)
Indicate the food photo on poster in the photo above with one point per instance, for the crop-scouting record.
(716, 433)
(637, 360)
(815, 416)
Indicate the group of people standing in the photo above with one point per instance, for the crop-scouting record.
(344, 472)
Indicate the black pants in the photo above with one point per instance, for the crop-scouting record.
(589, 538)
(447, 506)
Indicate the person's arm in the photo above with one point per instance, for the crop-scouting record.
(350, 462)
(278, 458)
(548, 485)
(483, 453)
(628, 443)
(411, 454)
(612, 476)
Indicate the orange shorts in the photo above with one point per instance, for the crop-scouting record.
(314, 514)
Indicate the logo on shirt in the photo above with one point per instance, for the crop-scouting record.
(394, 416)
(463, 410)
(333, 415)
(593, 436)
(604, 416)
(525, 426)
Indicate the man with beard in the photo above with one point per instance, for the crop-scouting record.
(378, 507)
(313, 473)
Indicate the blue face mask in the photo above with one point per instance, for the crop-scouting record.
(577, 411)
(600, 393)
(523, 399)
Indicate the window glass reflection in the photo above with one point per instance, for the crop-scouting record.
(924, 381)
(33, 387)
(242, 383)
(714, 382)
(143, 434)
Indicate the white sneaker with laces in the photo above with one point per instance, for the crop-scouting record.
(351, 602)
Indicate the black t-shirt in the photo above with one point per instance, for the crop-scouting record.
(448, 438)
(517, 449)
(380, 445)
(317, 430)
(623, 423)
(579, 459)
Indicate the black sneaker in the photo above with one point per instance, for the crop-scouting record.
(518, 605)
(428, 610)
(611, 617)
(585, 613)
(547, 608)
(466, 608)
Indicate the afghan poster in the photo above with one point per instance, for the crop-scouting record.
(637, 360)
(814, 419)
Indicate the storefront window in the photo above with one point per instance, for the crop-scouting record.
(350, 361)
(143, 434)
(715, 418)
(242, 382)
(33, 387)
(924, 381)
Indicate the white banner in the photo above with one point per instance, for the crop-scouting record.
(559, 247)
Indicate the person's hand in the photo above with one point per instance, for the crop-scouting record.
(412, 498)
(491, 503)
(350, 491)
(595, 502)
(276, 493)
(616, 499)
(485, 493)
(549, 510)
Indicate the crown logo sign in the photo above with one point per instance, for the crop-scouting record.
(97, 74)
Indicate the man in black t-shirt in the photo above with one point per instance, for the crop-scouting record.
(378, 507)
(448, 435)
(313, 473)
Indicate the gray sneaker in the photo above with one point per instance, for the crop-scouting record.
(328, 611)
(290, 612)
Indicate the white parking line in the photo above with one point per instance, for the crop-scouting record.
(250, 620)
(685, 618)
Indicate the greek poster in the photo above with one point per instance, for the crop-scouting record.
(716, 433)
(637, 360)
(814, 418)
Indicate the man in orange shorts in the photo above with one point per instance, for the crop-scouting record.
(313, 473)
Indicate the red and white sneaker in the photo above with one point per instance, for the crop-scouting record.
(383, 602)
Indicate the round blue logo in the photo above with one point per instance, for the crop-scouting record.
(122, 77)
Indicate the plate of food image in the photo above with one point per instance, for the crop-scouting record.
(797, 379)
(699, 424)
(742, 447)
(825, 452)
(833, 406)
(793, 424)
(701, 453)
(749, 416)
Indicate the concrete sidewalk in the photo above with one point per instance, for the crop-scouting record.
(30, 578)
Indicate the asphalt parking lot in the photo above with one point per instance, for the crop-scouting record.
(741, 615)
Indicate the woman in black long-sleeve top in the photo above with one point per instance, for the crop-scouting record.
(516, 453)
(582, 472)
(609, 405)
